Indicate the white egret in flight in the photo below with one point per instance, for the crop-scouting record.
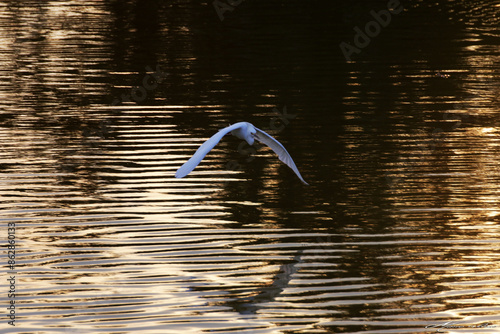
(242, 130)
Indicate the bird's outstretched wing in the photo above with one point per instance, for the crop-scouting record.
(279, 150)
(203, 150)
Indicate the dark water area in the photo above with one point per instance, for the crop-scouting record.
(390, 110)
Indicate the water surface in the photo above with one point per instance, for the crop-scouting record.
(398, 231)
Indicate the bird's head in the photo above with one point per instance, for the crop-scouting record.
(250, 134)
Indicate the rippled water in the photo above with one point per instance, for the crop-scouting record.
(397, 233)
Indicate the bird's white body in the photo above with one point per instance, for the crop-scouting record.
(244, 131)
(247, 132)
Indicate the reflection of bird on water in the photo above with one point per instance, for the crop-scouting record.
(268, 293)
(242, 130)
